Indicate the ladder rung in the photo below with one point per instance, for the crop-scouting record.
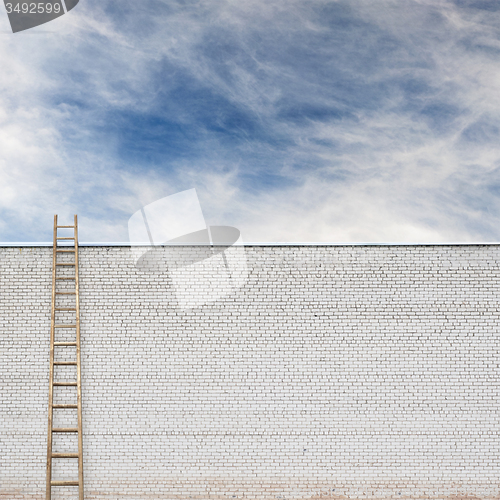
(65, 406)
(65, 383)
(65, 344)
(67, 363)
(64, 483)
(65, 308)
(65, 238)
(71, 264)
(65, 226)
(65, 429)
(71, 278)
(65, 251)
(65, 293)
(64, 326)
(64, 455)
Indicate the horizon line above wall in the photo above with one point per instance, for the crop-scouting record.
(256, 244)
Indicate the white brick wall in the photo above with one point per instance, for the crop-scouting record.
(345, 371)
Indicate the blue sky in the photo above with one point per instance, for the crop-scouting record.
(296, 121)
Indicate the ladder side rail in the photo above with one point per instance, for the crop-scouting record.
(51, 365)
(78, 366)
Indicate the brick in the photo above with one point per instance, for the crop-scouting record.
(368, 372)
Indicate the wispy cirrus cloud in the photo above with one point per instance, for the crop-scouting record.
(295, 121)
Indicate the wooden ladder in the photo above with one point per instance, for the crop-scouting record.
(57, 298)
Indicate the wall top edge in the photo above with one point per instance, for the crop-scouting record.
(255, 244)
